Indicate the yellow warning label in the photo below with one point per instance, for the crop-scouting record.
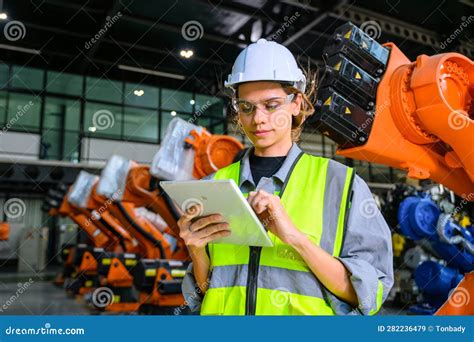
(116, 299)
(338, 66)
(88, 283)
(348, 34)
(130, 262)
(328, 101)
(348, 111)
(150, 273)
(358, 76)
(178, 273)
(106, 261)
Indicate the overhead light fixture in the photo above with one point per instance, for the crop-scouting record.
(186, 53)
(92, 129)
(192, 102)
(3, 16)
(19, 49)
(152, 72)
(173, 113)
(138, 92)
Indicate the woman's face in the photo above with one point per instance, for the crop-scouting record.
(270, 122)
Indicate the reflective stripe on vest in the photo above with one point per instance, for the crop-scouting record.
(315, 195)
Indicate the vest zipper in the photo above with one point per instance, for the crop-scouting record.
(252, 277)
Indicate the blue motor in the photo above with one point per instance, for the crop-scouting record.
(418, 217)
(436, 279)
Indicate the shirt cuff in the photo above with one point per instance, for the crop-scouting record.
(191, 291)
(368, 288)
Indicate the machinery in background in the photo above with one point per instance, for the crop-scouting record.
(4, 231)
(433, 249)
(374, 102)
(126, 204)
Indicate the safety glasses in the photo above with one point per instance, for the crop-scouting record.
(267, 106)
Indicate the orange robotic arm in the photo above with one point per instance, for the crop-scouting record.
(422, 120)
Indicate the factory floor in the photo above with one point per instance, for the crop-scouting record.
(22, 295)
(32, 296)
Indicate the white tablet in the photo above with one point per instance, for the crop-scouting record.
(221, 197)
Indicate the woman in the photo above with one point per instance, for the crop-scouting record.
(332, 248)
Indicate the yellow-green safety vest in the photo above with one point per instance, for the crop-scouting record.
(276, 280)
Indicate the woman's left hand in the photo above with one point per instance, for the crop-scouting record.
(273, 215)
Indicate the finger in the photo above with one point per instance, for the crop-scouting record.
(261, 205)
(209, 230)
(259, 195)
(217, 235)
(204, 221)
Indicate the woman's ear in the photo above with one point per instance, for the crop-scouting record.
(297, 105)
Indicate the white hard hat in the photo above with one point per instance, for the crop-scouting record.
(266, 61)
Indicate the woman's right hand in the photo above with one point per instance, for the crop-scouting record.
(197, 231)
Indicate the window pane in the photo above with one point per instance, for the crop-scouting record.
(177, 100)
(3, 107)
(60, 145)
(101, 120)
(209, 105)
(141, 95)
(103, 90)
(3, 75)
(27, 78)
(24, 112)
(140, 124)
(167, 117)
(204, 122)
(55, 109)
(63, 83)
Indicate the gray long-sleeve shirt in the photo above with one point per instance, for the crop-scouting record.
(366, 250)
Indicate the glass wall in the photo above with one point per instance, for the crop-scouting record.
(66, 108)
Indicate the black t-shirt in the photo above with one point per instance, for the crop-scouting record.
(264, 166)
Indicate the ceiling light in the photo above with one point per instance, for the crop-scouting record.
(173, 113)
(192, 102)
(92, 129)
(3, 16)
(186, 53)
(138, 92)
